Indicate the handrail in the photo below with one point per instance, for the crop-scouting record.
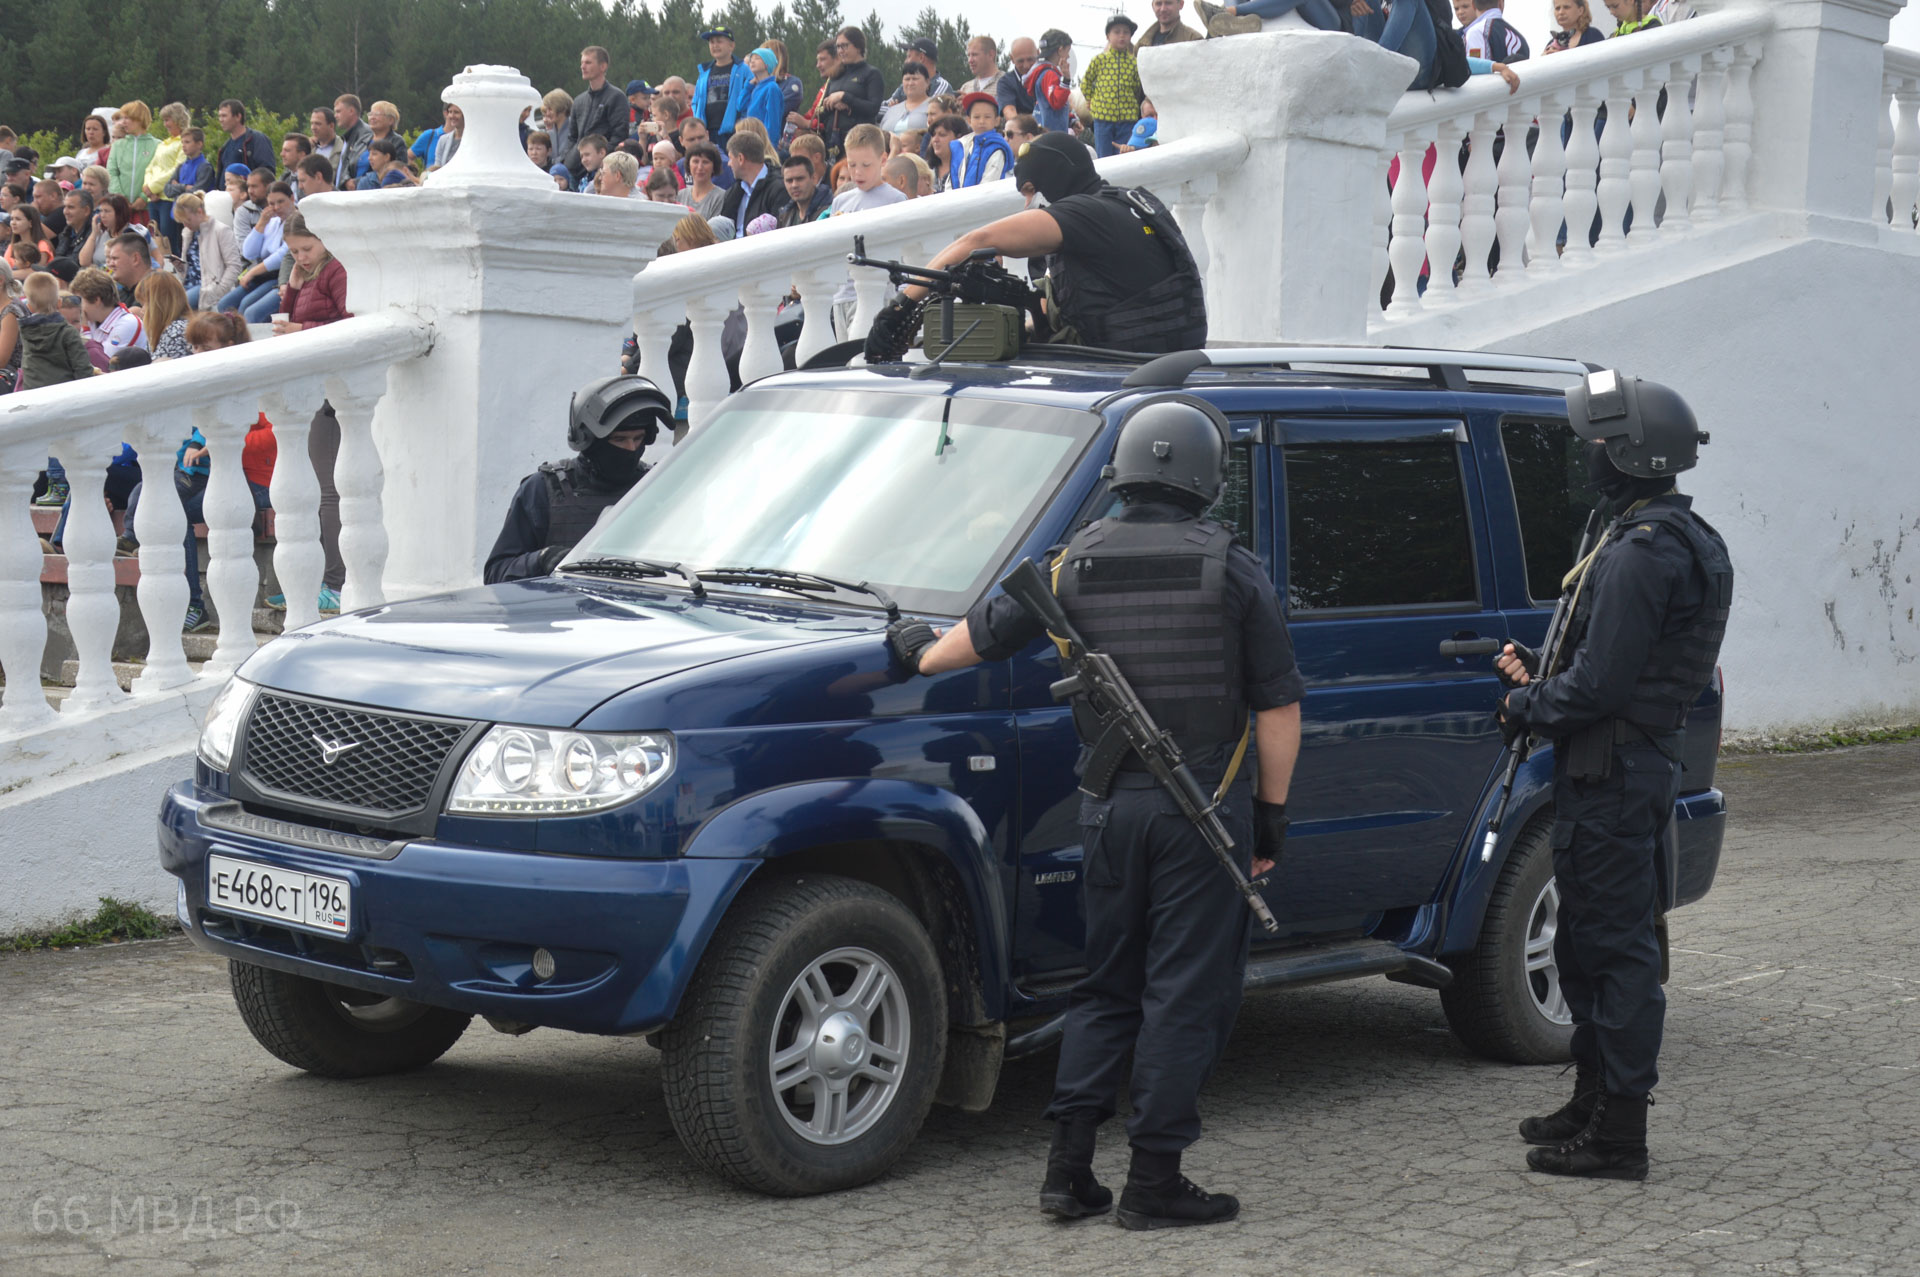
(1904, 63)
(1540, 76)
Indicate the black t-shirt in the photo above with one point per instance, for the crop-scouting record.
(1107, 250)
(719, 88)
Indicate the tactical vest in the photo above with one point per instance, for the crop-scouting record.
(1681, 662)
(1153, 596)
(575, 501)
(1164, 317)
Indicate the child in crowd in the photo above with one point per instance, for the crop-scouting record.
(866, 163)
(1112, 86)
(983, 155)
(593, 153)
(540, 149)
(52, 350)
(902, 176)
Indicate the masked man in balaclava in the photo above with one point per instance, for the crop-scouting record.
(1121, 276)
(610, 422)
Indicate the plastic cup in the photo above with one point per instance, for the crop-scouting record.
(282, 317)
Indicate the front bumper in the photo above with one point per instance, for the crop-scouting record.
(456, 926)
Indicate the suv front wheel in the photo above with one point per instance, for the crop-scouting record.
(336, 1031)
(805, 1053)
(1505, 1001)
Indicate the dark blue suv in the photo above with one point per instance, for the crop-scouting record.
(676, 789)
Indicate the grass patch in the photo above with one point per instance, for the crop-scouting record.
(112, 922)
(1819, 742)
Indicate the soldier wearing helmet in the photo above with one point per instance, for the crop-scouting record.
(609, 423)
(1194, 622)
(1649, 612)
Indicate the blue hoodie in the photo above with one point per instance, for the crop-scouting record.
(739, 79)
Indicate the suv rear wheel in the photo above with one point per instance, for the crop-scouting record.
(806, 1051)
(340, 1032)
(1505, 1001)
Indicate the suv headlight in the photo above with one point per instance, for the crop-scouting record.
(224, 717)
(532, 771)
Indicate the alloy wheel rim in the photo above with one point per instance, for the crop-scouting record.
(1542, 971)
(840, 1045)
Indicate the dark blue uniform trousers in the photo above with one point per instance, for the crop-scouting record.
(1606, 854)
(1166, 953)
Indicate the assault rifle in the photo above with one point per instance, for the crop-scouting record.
(1549, 650)
(1126, 728)
(978, 293)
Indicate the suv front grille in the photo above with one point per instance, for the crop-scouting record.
(389, 764)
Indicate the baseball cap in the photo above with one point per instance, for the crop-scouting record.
(237, 170)
(1143, 131)
(966, 103)
(1121, 20)
(925, 46)
(638, 86)
(726, 32)
(65, 161)
(19, 166)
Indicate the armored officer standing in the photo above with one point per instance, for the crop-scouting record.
(609, 423)
(1649, 612)
(1194, 623)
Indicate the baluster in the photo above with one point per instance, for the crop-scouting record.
(1643, 173)
(1616, 150)
(653, 338)
(23, 623)
(1709, 135)
(1190, 211)
(233, 578)
(1476, 210)
(870, 291)
(1446, 190)
(1583, 172)
(1548, 206)
(1906, 156)
(1739, 144)
(360, 479)
(760, 357)
(707, 382)
(1382, 228)
(93, 611)
(298, 561)
(817, 287)
(1676, 146)
(1408, 247)
(161, 527)
(1512, 219)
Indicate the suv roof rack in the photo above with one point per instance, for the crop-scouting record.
(1448, 368)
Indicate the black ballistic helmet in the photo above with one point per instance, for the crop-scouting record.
(1175, 443)
(1648, 430)
(616, 403)
(1057, 166)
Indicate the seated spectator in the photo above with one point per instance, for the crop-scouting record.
(1167, 27)
(383, 121)
(76, 206)
(1576, 27)
(256, 295)
(316, 290)
(1020, 130)
(313, 175)
(294, 147)
(556, 110)
(811, 146)
(766, 99)
(47, 196)
(1630, 16)
(982, 155)
(924, 174)
(540, 149)
(453, 126)
(619, 174)
(664, 155)
(807, 200)
(245, 208)
(903, 176)
(908, 143)
(909, 111)
(1046, 83)
(757, 188)
(693, 131)
(662, 189)
(941, 136)
(1251, 16)
(702, 194)
(27, 229)
(1491, 36)
(112, 217)
(1409, 30)
(164, 311)
(593, 153)
(111, 325)
(210, 261)
(129, 260)
(387, 165)
(1146, 129)
(13, 309)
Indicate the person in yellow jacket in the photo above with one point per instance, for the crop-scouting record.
(160, 169)
(1112, 85)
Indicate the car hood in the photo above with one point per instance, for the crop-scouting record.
(541, 652)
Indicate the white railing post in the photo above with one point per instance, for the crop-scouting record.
(1476, 209)
(1616, 160)
(1547, 211)
(707, 382)
(1643, 173)
(233, 578)
(93, 609)
(1407, 250)
(360, 477)
(1189, 205)
(1446, 191)
(1382, 230)
(1739, 145)
(870, 291)
(1676, 146)
(1513, 216)
(653, 338)
(1709, 135)
(1583, 175)
(760, 357)
(817, 287)
(23, 625)
(298, 560)
(161, 529)
(1904, 183)
(1883, 163)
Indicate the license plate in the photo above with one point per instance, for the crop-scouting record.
(284, 895)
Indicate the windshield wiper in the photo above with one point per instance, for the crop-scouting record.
(635, 569)
(798, 582)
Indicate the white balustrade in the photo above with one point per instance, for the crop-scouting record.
(1899, 142)
(360, 480)
(298, 560)
(23, 624)
(93, 609)
(233, 578)
(161, 529)
(1670, 168)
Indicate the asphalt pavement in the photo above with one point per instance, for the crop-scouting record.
(143, 1132)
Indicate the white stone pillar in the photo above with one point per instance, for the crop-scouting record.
(1313, 106)
(530, 292)
(1816, 97)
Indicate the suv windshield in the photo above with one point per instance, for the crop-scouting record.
(923, 495)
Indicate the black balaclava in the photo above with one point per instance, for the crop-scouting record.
(613, 465)
(1057, 166)
(1618, 488)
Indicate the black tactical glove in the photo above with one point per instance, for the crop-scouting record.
(1512, 725)
(550, 558)
(1529, 661)
(891, 336)
(907, 640)
(1269, 831)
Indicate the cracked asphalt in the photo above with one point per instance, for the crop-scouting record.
(143, 1132)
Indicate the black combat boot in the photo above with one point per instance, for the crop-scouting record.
(1613, 1145)
(1157, 1195)
(1070, 1190)
(1572, 1117)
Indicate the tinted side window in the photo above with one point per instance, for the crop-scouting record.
(1377, 525)
(1551, 493)
(1234, 509)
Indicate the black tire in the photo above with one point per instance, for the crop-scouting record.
(339, 1032)
(717, 1055)
(1494, 1005)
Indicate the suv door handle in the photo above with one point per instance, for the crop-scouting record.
(1469, 646)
